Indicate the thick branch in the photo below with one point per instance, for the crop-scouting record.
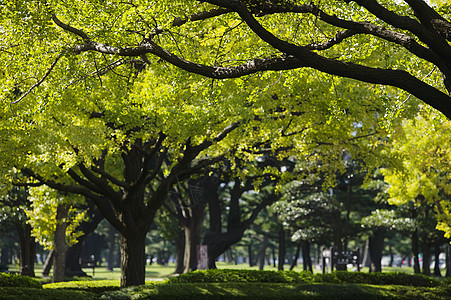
(201, 16)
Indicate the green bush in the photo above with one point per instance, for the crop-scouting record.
(305, 277)
(93, 286)
(15, 280)
(14, 293)
(377, 278)
(229, 275)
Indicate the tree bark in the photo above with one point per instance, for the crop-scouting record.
(4, 259)
(426, 256)
(218, 243)
(73, 256)
(60, 245)
(179, 254)
(307, 260)
(437, 250)
(376, 246)
(366, 262)
(415, 252)
(27, 245)
(262, 254)
(250, 255)
(192, 239)
(133, 258)
(111, 247)
(448, 259)
(282, 249)
(48, 264)
(296, 255)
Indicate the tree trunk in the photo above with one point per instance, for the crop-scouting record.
(179, 242)
(262, 254)
(48, 264)
(390, 252)
(27, 245)
(376, 246)
(296, 255)
(366, 262)
(191, 241)
(426, 257)
(60, 245)
(415, 252)
(448, 259)
(133, 259)
(73, 257)
(111, 247)
(337, 234)
(437, 251)
(219, 243)
(282, 249)
(251, 255)
(307, 261)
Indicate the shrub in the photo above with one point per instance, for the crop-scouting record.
(15, 280)
(305, 277)
(14, 293)
(93, 286)
(393, 278)
(229, 275)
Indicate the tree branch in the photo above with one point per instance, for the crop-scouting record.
(41, 80)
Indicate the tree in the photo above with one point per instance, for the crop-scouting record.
(379, 222)
(122, 130)
(273, 35)
(421, 169)
(13, 206)
(54, 222)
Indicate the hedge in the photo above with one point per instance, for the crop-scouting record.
(15, 280)
(305, 277)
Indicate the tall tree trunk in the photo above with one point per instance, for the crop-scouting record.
(376, 246)
(437, 251)
(60, 245)
(415, 252)
(133, 258)
(448, 259)
(27, 245)
(307, 260)
(390, 253)
(282, 249)
(426, 256)
(296, 255)
(48, 264)
(337, 233)
(262, 253)
(4, 259)
(111, 247)
(191, 241)
(366, 262)
(251, 255)
(179, 253)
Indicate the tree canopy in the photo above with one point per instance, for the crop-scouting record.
(228, 39)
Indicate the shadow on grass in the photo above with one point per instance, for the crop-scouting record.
(274, 291)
